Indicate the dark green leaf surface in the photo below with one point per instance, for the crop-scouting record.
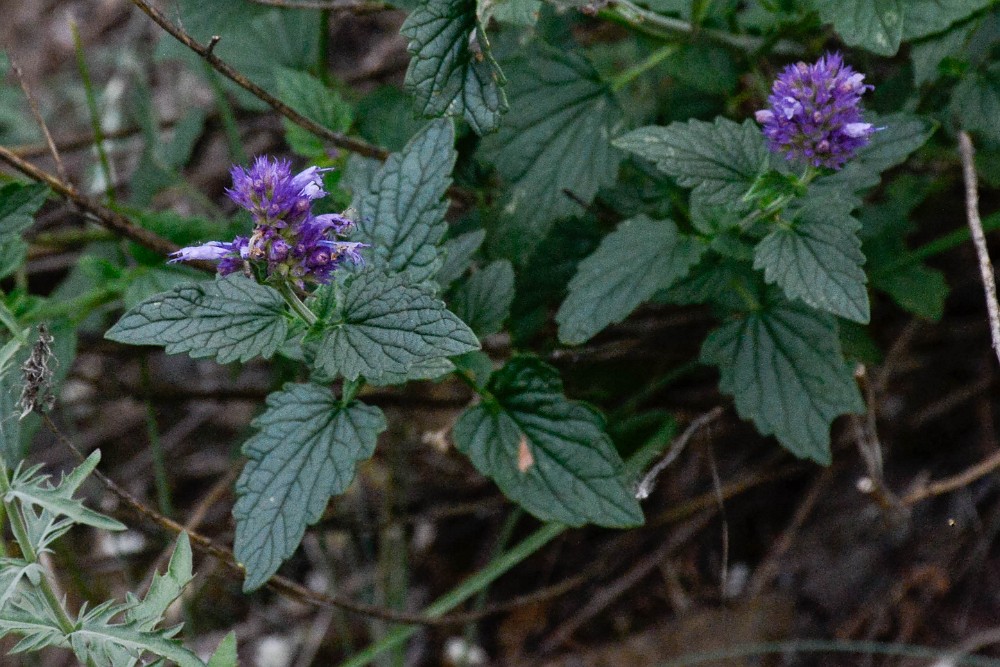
(256, 39)
(926, 17)
(18, 205)
(306, 450)
(632, 263)
(783, 366)
(547, 453)
(483, 301)
(229, 319)
(387, 327)
(817, 258)
(927, 54)
(452, 70)
(310, 97)
(874, 25)
(976, 103)
(402, 213)
(719, 160)
(556, 139)
(458, 254)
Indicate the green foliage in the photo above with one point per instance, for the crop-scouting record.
(816, 257)
(719, 160)
(458, 254)
(547, 453)
(452, 70)
(18, 205)
(306, 450)
(310, 97)
(229, 319)
(554, 141)
(402, 212)
(483, 301)
(783, 365)
(875, 25)
(255, 39)
(384, 328)
(109, 634)
(638, 259)
(976, 102)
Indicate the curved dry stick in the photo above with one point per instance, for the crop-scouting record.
(107, 217)
(979, 238)
(336, 138)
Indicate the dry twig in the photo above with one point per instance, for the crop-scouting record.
(33, 104)
(979, 237)
(649, 481)
(338, 139)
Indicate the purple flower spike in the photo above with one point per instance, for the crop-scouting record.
(815, 113)
(293, 243)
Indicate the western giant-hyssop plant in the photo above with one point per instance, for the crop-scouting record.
(528, 189)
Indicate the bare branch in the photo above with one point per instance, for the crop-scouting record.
(979, 238)
(338, 139)
(649, 481)
(351, 7)
(50, 144)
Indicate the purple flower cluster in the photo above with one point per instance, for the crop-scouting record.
(815, 113)
(295, 244)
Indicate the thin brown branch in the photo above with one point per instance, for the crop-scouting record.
(338, 139)
(333, 6)
(649, 481)
(293, 590)
(949, 484)
(979, 237)
(107, 217)
(79, 141)
(33, 104)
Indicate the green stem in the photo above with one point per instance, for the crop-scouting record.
(497, 567)
(29, 554)
(634, 72)
(8, 320)
(95, 118)
(155, 444)
(293, 300)
(667, 28)
(350, 389)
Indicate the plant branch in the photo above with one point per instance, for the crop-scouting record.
(107, 217)
(979, 237)
(338, 139)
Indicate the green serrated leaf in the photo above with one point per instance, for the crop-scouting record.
(386, 327)
(143, 282)
(719, 160)
(483, 301)
(229, 319)
(98, 640)
(817, 258)
(306, 451)
(632, 263)
(452, 70)
(31, 488)
(548, 454)
(458, 254)
(874, 25)
(164, 589)
(310, 97)
(783, 366)
(556, 140)
(926, 17)
(402, 212)
(225, 654)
